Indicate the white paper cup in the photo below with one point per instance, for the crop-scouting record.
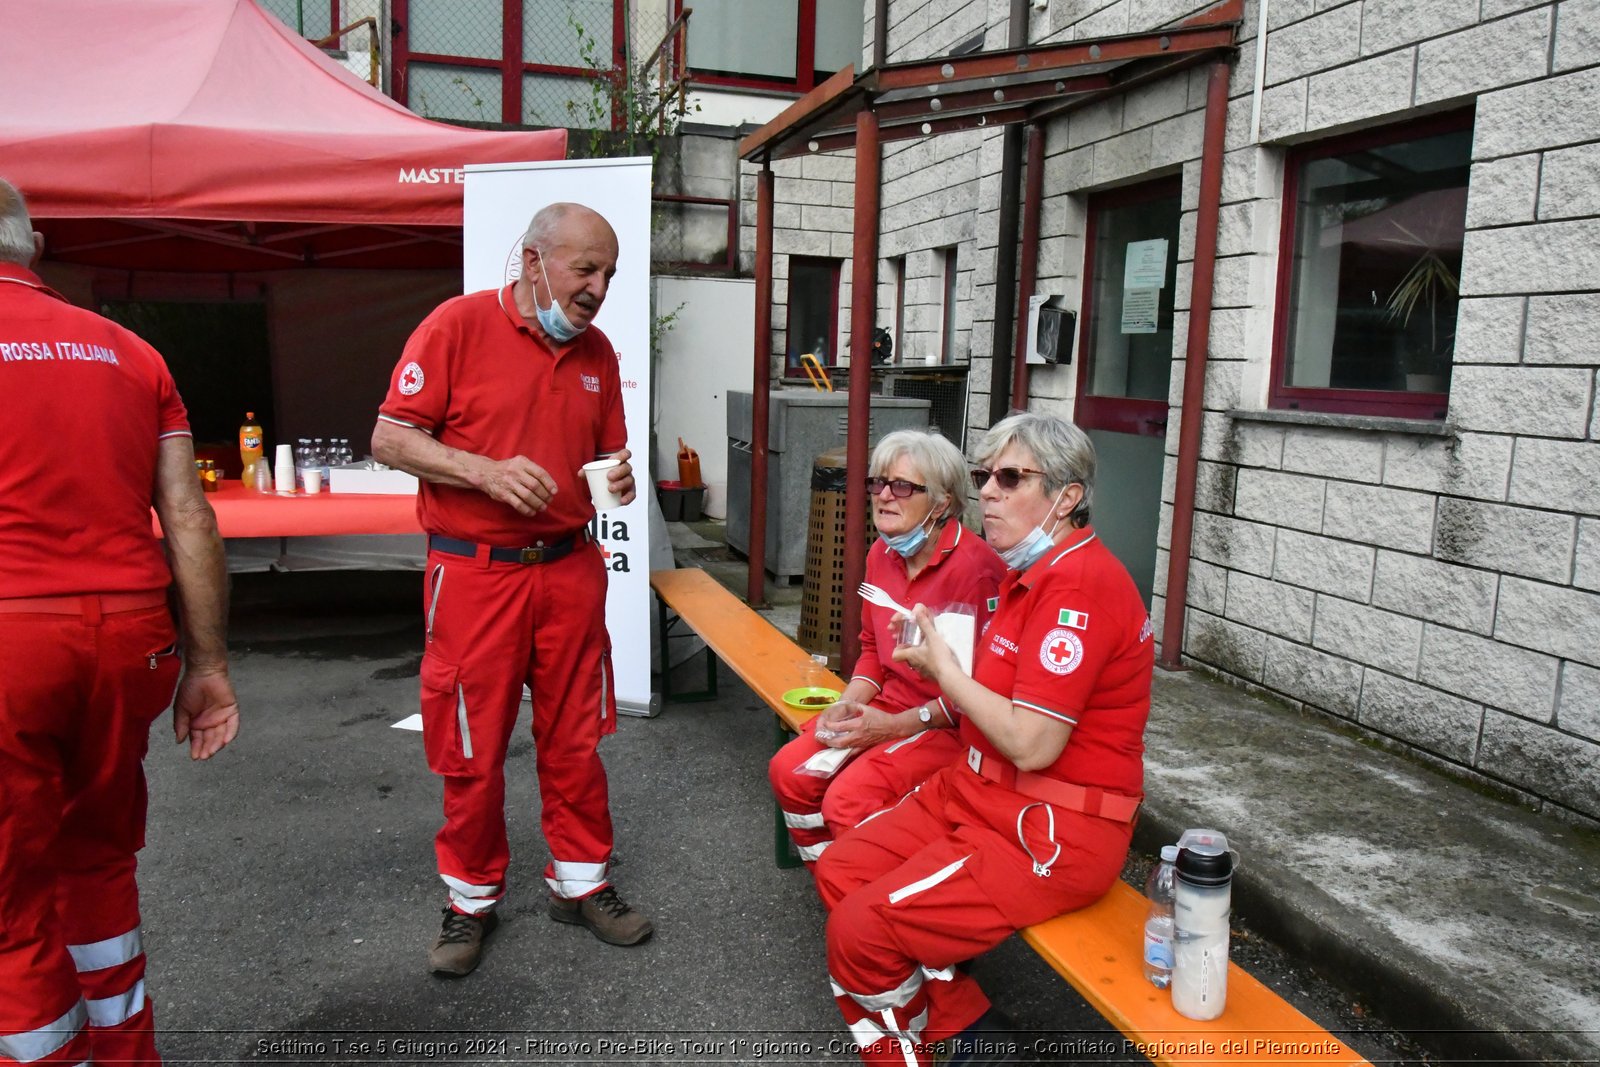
(599, 487)
(313, 476)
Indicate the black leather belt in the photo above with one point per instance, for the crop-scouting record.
(541, 553)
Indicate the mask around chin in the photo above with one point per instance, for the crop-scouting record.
(552, 320)
(1035, 544)
(910, 542)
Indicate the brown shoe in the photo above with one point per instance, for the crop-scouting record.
(457, 949)
(606, 915)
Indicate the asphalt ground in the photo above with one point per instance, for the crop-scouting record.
(290, 897)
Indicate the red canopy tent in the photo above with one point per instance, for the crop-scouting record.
(205, 135)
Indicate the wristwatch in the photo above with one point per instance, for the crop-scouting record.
(925, 713)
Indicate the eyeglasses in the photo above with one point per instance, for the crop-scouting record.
(1007, 477)
(899, 487)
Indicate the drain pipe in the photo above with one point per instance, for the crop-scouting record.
(1032, 208)
(1007, 235)
(880, 33)
(1194, 372)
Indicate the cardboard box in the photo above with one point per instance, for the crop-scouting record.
(358, 478)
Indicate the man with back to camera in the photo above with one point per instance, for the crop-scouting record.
(498, 400)
(89, 656)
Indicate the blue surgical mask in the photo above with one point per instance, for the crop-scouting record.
(1033, 546)
(908, 543)
(552, 319)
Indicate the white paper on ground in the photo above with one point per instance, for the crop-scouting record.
(410, 722)
(958, 632)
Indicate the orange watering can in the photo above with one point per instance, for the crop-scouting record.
(688, 466)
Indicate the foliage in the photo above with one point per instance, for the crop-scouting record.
(660, 326)
(1429, 282)
(625, 109)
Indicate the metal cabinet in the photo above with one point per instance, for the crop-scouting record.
(802, 424)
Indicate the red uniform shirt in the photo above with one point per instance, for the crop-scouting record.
(86, 404)
(478, 379)
(1071, 639)
(963, 570)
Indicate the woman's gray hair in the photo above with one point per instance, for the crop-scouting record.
(938, 462)
(1059, 448)
(16, 228)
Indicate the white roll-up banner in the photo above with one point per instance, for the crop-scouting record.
(500, 198)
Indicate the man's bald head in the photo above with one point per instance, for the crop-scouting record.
(566, 224)
(18, 243)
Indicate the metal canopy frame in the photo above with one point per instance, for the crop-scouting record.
(1027, 85)
(1009, 85)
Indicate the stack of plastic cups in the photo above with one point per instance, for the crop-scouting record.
(284, 474)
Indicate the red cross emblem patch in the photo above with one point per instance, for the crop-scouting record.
(411, 379)
(1061, 651)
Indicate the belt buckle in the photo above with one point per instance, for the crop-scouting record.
(533, 555)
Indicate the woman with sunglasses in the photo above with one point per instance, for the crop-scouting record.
(888, 724)
(1035, 818)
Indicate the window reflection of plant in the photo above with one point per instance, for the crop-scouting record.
(1428, 282)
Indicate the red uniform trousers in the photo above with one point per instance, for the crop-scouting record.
(942, 878)
(492, 627)
(817, 810)
(78, 693)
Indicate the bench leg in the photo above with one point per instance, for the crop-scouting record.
(783, 853)
(664, 628)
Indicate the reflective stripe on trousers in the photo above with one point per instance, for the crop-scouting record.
(39, 1043)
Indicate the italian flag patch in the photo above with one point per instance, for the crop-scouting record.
(1078, 620)
(994, 604)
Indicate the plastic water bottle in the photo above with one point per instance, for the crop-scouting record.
(1158, 928)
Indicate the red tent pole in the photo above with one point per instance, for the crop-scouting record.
(863, 317)
(760, 390)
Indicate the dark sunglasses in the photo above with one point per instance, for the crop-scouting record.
(1008, 477)
(899, 487)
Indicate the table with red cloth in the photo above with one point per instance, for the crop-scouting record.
(330, 530)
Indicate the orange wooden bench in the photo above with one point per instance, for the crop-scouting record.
(1096, 949)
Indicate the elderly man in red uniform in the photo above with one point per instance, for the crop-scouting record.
(88, 655)
(498, 400)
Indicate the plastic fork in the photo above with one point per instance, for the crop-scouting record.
(873, 594)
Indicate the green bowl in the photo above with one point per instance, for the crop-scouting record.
(821, 698)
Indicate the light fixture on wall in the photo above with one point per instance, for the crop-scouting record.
(1051, 331)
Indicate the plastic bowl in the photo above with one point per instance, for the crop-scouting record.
(810, 698)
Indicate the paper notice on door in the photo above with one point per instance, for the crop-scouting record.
(1146, 265)
(1139, 310)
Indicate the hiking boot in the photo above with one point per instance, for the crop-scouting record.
(458, 947)
(992, 1039)
(607, 916)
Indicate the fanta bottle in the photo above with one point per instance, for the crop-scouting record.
(250, 447)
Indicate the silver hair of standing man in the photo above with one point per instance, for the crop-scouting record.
(16, 228)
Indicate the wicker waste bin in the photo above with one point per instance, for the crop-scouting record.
(822, 592)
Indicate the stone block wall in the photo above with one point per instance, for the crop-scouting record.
(1436, 584)
(812, 199)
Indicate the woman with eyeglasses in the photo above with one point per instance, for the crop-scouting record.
(1034, 819)
(888, 729)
